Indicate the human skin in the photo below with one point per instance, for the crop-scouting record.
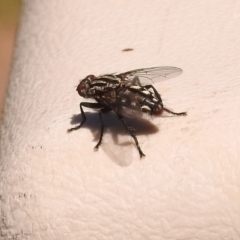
(55, 186)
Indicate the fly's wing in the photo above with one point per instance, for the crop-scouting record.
(117, 143)
(123, 102)
(150, 75)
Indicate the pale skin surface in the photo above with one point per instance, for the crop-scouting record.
(54, 186)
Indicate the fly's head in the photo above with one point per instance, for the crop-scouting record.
(84, 87)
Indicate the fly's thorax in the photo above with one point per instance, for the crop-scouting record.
(92, 86)
(125, 84)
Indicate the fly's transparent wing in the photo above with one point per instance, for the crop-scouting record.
(150, 75)
(123, 102)
(118, 145)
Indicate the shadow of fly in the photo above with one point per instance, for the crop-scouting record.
(128, 95)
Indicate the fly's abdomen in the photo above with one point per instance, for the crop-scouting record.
(150, 103)
(150, 106)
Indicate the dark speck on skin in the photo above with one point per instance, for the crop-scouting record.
(127, 49)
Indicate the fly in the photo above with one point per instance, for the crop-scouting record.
(129, 95)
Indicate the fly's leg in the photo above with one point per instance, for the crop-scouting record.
(174, 113)
(88, 105)
(93, 106)
(160, 102)
(129, 129)
(103, 110)
(101, 133)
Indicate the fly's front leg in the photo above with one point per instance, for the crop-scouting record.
(129, 129)
(88, 105)
(101, 133)
(160, 102)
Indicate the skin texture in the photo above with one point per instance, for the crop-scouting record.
(55, 186)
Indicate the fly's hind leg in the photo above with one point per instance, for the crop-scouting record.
(174, 113)
(129, 129)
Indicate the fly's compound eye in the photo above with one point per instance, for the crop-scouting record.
(90, 77)
(82, 88)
